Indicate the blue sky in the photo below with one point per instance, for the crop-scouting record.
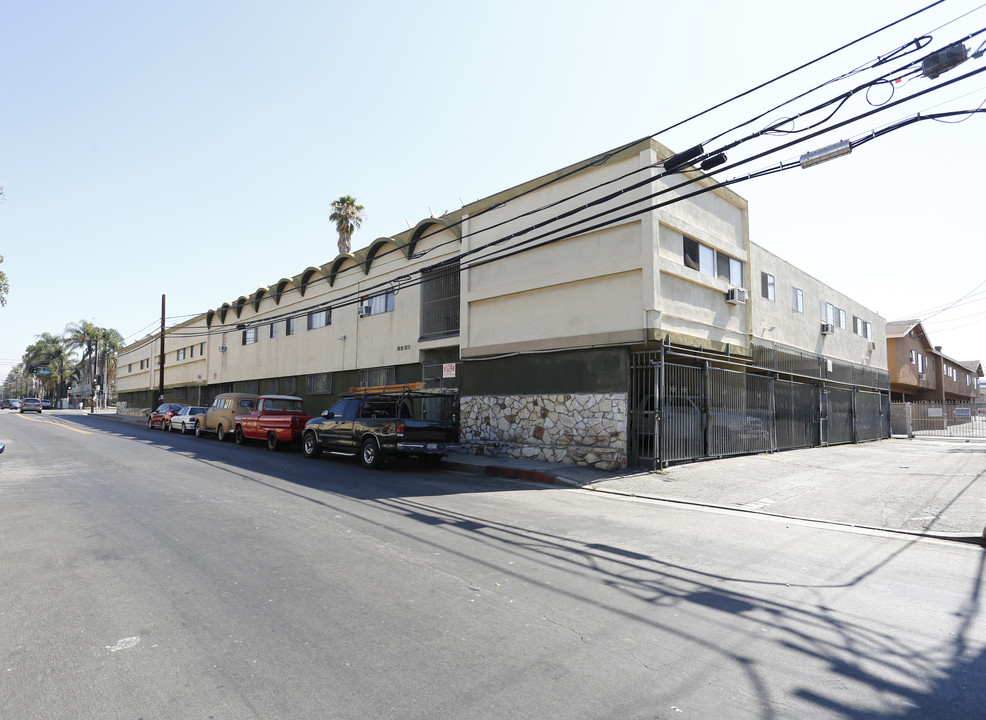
(193, 149)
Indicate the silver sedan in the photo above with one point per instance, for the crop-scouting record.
(184, 419)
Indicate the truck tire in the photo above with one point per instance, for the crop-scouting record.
(370, 455)
(221, 433)
(198, 430)
(272, 442)
(238, 436)
(311, 446)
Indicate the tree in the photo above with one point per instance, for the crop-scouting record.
(348, 216)
(96, 344)
(49, 352)
(4, 285)
(82, 336)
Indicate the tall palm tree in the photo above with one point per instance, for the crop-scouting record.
(347, 216)
(82, 336)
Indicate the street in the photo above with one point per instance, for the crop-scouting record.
(152, 575)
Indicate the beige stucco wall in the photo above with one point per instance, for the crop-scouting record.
(803, 330)
(619, 285)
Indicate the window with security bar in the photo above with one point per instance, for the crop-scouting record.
(320, 383)
(372, 377)
(440, 300)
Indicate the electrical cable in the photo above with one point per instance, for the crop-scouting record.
(598, 160)
(606, 156)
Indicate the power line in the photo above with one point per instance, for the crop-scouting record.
(600, 159)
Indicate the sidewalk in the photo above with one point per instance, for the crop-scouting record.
(926, 486)
(930, 487)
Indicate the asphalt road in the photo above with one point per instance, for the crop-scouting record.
(147, 575)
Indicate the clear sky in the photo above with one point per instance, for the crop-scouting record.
(192, 149)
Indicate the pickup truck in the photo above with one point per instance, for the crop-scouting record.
(277, 419)
(375, 423)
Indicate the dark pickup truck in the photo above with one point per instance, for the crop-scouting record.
(393, 420)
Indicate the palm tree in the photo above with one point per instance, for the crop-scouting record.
(49, 352)
(96, 343)
(347, 216)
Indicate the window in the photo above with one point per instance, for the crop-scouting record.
(289, 326)
(767, 286)
(797, 300)
(290, 385)
(251, 386)
(273, 330)
(191, 351)
(181, 393)
(920, 363)
(440, 300)
(250, 336)
(272, 386)
(130, 367)
(711, 262)
(828, 313)
(865, 329)
(180, 355)
(320, 383)
(319, 319)
(201, 348)
(380, 303)
(371, 377)
(913, 357)
(841, 317)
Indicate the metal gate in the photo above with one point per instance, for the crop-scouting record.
(679, 413)
(935, 419)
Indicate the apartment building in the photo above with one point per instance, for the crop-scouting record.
(573, 313)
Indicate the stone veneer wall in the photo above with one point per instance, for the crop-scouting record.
(580, 429)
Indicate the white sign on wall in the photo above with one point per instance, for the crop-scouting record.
(448, 370)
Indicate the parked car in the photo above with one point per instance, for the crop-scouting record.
(46, 403)
(15, 404)
(161, 417)
(184, 419)
(277, 419)
(31, 405)
(218, 418)
(4, 404)
(376, 424)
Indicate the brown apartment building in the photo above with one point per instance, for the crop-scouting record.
(920, 371)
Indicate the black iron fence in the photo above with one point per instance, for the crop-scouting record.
(680, 412)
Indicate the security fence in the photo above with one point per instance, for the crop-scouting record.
(680, 412)
(936, 419)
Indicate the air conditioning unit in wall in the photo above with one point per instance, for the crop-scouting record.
(222, 348)
(736, 296)
(364, 310)
(828, 328)
(872, 345)
(922, 376)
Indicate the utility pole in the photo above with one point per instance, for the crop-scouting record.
(161, 375)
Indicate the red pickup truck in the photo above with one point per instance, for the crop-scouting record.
(278, 419)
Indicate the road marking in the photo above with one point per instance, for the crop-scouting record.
(57, 424)
(124, 644)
